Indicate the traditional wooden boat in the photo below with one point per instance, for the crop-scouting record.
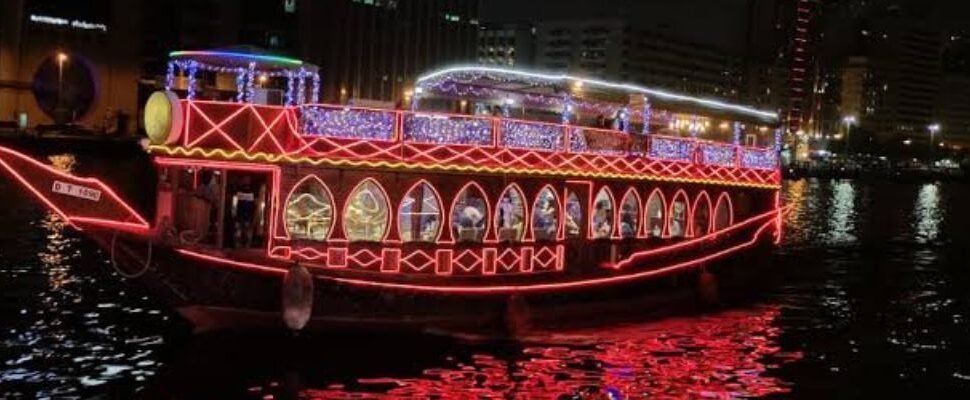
(490, 185)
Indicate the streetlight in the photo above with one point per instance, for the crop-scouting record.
(61, 59)
(933, 128)
(849, 121)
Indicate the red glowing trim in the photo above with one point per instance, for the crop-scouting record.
(525, 212)
(387, 207)
(288, 141)
(504, 289)
(559, 210)
(703, 196)
(239, 264)
(289, 196)
(655, 195)
(778, 219)
(725, 200)
(546, 287)
(139, 224)
(592, 211)
(681, 194)
(488, 211)
(639, 234)
(437, 199)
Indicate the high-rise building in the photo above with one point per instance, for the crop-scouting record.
(374, 49)
(507, 44)
(620, 50)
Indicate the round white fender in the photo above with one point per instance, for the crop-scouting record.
(297, 301)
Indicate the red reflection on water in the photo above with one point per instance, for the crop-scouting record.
(717, 356)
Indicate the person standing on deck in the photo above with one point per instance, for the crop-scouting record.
(244, 210)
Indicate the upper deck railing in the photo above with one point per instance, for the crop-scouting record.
(354, 136)
(321, 120)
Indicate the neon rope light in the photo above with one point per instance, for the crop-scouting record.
(139, 224)
(241, 155)
(231, 54)
(772, 216)
(595, 82)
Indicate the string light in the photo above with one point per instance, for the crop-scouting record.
(647, 113)
(170, 76)
(674, 149)
(717, 154)
(529, 135)
(736, 134)
(193, 69)
(240, 85)
(315, 93)
(759, 158)
(347, 123)
(439, 129)
(289, 88)
(250, 77)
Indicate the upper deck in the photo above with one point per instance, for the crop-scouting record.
(642, 144)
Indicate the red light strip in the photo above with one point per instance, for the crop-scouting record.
(140, 223)
(507, 289)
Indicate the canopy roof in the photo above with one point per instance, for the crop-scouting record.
(550, 88)
(241, 56)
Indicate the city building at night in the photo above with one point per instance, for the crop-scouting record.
(507, 44)
(66, 63)
(374, 49)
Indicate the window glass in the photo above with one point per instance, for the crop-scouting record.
(545, 215)
(574, 216)
(366, 215)
(309, 211)
(510, 216)
(419, 218)
(629, 215)
(722, 213)
(602, 221)
(469, 215)
(655, 215)
(678, 216)
(702, 216)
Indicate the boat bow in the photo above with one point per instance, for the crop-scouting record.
(80, 201)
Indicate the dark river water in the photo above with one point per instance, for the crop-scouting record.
(872, 299)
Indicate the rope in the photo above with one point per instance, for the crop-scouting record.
(136, 275)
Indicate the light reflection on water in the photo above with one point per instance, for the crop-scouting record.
(871, 300)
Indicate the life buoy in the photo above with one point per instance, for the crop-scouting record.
(297, 300)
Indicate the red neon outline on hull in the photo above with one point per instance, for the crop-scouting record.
(140, 223)
(529, 288)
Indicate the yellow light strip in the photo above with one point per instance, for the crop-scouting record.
(238, 155)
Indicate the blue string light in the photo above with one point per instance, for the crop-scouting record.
(736, 135)
(671, 149)
(348, 123)
(759, 158)
(193, 69)
(250, 88)
(170, 76)
(525, 135)
(717, 154)
(444, 130)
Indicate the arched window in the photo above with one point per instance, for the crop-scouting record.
(419, 216)
(601, 223)
(545, 215)
(723, 212)
(366, 214)
(630, 214)
(701, 224)
(309, 210)
(678, 215)
(574, 216)
(510, 215)
(656, 208)
(469, 214)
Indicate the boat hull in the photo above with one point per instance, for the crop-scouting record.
(213, 294)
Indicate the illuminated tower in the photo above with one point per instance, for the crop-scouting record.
(801, 56)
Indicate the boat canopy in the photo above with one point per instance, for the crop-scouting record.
(551, 91)
(248, 64)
